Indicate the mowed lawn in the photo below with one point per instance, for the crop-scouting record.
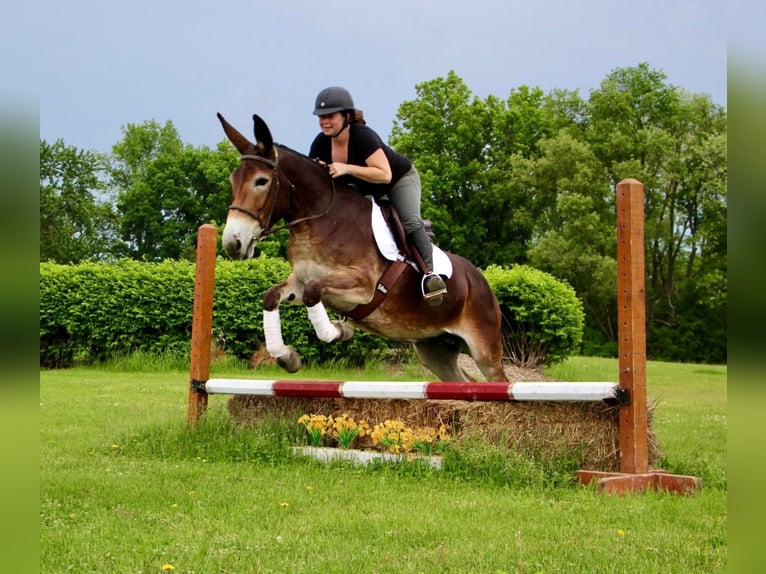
(124, 487)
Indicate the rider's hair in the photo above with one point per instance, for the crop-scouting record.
(355, 116)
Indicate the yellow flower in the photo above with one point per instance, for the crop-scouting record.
(284, 504)
(168, 567)
(309, 488)
(620, 532)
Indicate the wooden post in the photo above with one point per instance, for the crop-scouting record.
(634, 472)
(631, 318)
(202, 322)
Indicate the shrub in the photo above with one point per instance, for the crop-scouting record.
(91, 311)
(542, 316)
(94, 311)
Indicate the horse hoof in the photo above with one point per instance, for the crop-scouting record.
(345, 331)
(291, 361)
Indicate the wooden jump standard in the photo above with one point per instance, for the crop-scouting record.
(630, 394)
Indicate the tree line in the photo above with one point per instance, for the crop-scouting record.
(529, 179)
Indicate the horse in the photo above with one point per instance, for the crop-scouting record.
(335, 264)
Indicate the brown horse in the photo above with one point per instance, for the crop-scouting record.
(335, 262)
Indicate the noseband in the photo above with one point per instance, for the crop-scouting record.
(265, 230)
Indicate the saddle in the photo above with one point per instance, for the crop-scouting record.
(395, 225)
(395, 268)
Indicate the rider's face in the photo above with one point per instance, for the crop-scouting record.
(330, 124)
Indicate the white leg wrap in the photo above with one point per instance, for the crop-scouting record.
(272, 330)
(325, 330)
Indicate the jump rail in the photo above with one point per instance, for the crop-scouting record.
(520, 391)
(630, 393)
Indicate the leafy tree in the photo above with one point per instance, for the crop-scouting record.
(140, 144)
(166, 190)
(468, 153)
(173, 195)
(577, 238)
(532, 178)
(443, 132)
(675, 144)
(76, 220)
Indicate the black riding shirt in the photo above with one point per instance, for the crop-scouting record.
(362, 143)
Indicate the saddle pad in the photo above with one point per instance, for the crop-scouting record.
(387, 245)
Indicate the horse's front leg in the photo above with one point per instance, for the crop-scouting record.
(291, 290)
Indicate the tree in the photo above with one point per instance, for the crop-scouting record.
(443, 132)
(166, 190)
(140, 144)
(76, 220)
(576, 241)
(173, 195)
(468, 153)
(675, 143)
(532, 178)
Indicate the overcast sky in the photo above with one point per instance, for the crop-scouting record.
(105, 64)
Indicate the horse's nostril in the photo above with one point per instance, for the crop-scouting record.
(239, 245)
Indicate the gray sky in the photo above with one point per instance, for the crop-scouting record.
(102, 65)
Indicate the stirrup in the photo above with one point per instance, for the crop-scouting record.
(433, 297)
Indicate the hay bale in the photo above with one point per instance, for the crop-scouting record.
(585, 432)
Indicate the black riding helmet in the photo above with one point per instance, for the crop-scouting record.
(333, 99)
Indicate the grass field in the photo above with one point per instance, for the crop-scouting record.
(124, 487)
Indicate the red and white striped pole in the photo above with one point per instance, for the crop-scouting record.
(463, 391)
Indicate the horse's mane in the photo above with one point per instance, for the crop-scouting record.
(300, 155)
(314, 162)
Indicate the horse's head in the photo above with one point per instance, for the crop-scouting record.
(256, 197)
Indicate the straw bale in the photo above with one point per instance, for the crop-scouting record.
(584, 432)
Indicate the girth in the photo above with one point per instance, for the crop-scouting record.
(385, 283)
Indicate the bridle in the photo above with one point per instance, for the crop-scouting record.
(273, 195)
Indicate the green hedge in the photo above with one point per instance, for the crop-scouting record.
(93, 311)
(542, 316)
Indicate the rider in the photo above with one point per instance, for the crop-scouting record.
(351, 149)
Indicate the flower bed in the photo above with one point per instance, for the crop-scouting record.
(391, 436)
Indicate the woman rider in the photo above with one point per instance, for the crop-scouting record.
(356, 153)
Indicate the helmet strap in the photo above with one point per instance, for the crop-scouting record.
(346, 122)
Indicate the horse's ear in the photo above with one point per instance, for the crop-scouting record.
(262, 134)
(240, 142)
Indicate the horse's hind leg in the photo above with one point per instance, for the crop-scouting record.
(440, 357)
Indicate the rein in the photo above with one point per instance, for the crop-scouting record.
(265, 230)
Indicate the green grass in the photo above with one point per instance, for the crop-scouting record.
(125, 487)
(690, 414)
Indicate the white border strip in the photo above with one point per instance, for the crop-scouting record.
(240, 387)
(555, 391)
(383, 390)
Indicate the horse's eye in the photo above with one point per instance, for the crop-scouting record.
(261, 181)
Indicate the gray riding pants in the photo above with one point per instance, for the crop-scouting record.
(405, 196)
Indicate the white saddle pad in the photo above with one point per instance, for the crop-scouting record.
(387, 245)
